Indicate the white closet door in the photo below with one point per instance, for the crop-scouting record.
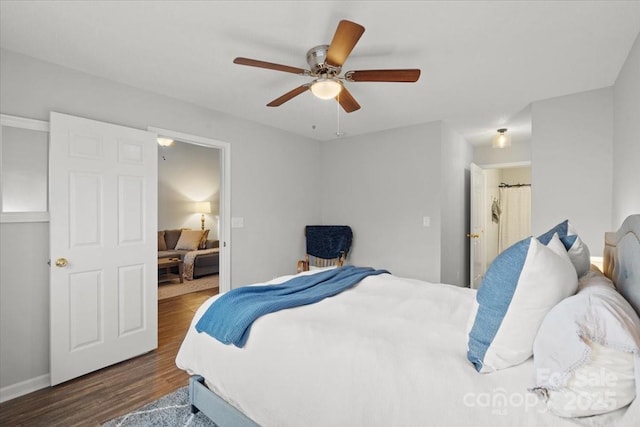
(103, 242)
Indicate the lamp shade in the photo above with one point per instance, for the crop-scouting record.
(501, 139)
(326, 88)
(202, 207)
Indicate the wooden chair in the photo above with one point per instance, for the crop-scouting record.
(327, 245)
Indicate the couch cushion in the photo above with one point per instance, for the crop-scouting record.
(171, 254)
(162, 244)
(210, 244)
(171, 237)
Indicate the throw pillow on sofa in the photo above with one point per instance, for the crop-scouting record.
(162, 243)
(189, 240)
(171, 237)
(203, 240)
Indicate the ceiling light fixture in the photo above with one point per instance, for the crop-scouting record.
(502, 139)
(165, 142)
(325, 88)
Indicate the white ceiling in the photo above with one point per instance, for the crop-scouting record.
(482, 62)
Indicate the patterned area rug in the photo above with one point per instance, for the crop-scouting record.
(172, 410)
(169, 290)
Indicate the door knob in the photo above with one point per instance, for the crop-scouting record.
(473, 235)
(61, 262)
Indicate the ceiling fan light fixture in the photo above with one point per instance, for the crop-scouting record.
(326, 88)
(501, 139)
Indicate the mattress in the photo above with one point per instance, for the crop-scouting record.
(390, 351)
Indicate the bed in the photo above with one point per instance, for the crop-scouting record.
(390, 351)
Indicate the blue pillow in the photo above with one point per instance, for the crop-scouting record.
(521, 285)
(578, 251)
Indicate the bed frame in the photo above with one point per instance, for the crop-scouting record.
(621, 262)
(213, 406)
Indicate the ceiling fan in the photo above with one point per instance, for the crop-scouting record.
(326, 63)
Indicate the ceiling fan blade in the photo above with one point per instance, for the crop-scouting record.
(347, 35)
(347, 101)
(287, 96)
(270, 66)
(407, 76)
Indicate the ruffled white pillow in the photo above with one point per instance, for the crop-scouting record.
(587, 351)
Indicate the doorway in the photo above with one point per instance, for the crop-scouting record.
(500, 213)
(217, 220)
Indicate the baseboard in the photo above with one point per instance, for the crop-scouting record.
(24, 387)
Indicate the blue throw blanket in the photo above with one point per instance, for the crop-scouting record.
(230, 317)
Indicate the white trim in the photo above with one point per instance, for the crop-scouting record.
(24, 387)
(23, 123)
(506, 165)
(15, 217)
(225, 196)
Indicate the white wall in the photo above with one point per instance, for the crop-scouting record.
(626, 145)
(572, 164)
(271, 171)
(454, 209)
(24, 302)
(515, 176)
(519, 152)
(188, 173)
(382, 185)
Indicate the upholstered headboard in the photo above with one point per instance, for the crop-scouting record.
(621, 259)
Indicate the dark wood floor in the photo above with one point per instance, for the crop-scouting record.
(100, 396)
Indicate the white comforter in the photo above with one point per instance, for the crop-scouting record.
(388, 352)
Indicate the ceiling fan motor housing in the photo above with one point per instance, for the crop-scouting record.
(316, 57)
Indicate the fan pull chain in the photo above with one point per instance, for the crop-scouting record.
(338, 117)
(338, 133)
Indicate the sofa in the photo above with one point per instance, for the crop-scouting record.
(190, 246)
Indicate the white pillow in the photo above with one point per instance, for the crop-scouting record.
(587, 350)
(576, 248)
(521, 285)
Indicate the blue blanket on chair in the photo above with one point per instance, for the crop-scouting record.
(328, 241)
(230, 317)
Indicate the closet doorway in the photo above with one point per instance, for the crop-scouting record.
(500, 213)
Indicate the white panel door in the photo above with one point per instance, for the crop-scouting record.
(103, 242)
(476, 228)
